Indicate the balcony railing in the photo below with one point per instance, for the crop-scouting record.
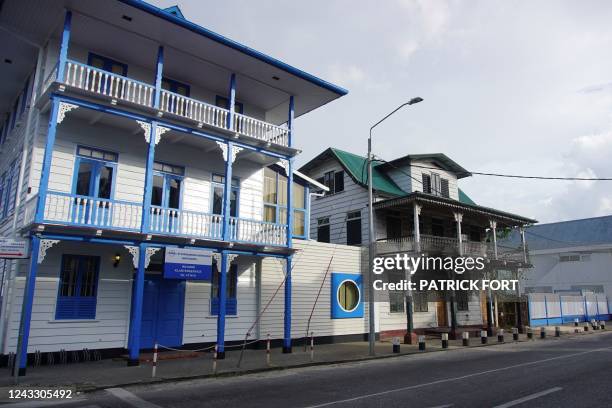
(193, 109)
(118, 87)
(105, 83)
(92, 212)
(260, 232)
(188, 223)
(432, 243)
(76, 210)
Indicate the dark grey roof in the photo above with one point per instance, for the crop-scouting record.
(565, 234)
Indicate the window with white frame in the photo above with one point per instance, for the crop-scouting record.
(218, 189)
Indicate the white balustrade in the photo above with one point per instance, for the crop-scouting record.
(261, 130)
(93, 212)
(188, 223)
(105, 83)
(193, 109)
(257, 232)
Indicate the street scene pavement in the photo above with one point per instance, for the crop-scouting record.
(565, 372)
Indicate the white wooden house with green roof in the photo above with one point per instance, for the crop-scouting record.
(419, 208)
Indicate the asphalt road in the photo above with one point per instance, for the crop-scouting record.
(568, 372)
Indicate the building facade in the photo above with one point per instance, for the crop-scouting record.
(131, 133)
(418, 209)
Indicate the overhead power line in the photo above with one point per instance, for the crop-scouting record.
(519, 176)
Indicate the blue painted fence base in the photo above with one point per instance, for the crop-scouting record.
(220, 355)
(287, 350)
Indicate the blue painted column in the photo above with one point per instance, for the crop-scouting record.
(63, 55)
(159, 74)
(46, 164)
(232, 102)
(136, 315)
(26, 309)
(148, 187)
(287, 315)
(227, 230)
(307, 214)
(222, 304)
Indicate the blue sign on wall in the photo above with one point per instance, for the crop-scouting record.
(188, 263)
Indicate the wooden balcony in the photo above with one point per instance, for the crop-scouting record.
(102, 214)
(120, 89)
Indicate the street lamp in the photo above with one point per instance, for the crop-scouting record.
(372, 332)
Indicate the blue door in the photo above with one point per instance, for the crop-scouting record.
(162, 312)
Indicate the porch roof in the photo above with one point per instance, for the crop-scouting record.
(506, 217)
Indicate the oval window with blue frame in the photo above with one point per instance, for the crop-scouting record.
(346, 295)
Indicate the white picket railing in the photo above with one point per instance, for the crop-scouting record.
(51, 77)
(105, 83)
(257, 232)
(29, 212)
(191, 223)
(193, 109)
(261, 130)
(92, 212)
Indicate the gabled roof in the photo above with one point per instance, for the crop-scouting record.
(464, 198)
(357, 168)
(175, 10)
(566, 234)
(442, 160)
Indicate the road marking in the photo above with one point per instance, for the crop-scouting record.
(462, 377)
(132, 399)
(528, 398)
(41, 404)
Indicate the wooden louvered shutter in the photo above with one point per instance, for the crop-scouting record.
(426, 183)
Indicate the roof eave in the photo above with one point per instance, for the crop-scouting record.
(158, 12)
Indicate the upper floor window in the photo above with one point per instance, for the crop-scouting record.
(107, 64)
(353, 228)
(223, 102)
(420, 301)
(436, 185)
(78, 287)
(218, 189)
(175, 86)
(167, 181)
(275, 201)
(95, 172)
(323, 233)
(334, 180)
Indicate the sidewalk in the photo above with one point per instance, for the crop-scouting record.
(91, 376)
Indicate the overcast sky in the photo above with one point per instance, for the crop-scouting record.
(508, 86)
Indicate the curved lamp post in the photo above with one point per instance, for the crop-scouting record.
(372, 333)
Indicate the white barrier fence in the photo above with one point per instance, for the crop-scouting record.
(554, 308)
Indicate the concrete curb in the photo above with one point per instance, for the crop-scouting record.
(163, 380)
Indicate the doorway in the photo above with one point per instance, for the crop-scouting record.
(162, 311)
(441, 314)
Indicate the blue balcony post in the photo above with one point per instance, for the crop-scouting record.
(287, 314)
(222, 304)
(136, 315)
(159, 73)
(148, 187)
(232, 102)
(307, 215)
(26, 309)
(63, 55)
(227, 192)
(289, 202)
(46, 164)
(290, 121)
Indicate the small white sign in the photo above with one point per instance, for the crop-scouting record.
(13, 248)
(188, 263)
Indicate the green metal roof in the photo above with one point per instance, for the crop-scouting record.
(357, 166)
(464, 198)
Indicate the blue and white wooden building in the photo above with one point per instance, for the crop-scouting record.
(127, 130)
